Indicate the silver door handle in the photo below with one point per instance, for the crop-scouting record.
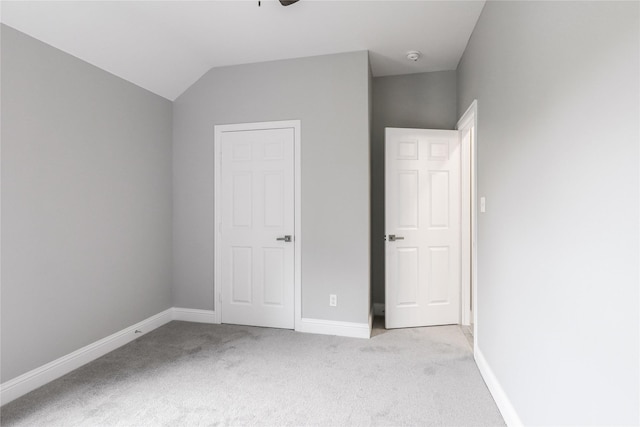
(393, 237)
(286, 238)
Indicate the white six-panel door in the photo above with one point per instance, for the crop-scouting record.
(257, 227)
(422, 221)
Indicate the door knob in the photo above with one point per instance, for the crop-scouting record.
(286, 238)
(393, 237)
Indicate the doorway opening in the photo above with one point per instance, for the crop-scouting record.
(422, 226)
(404, 147)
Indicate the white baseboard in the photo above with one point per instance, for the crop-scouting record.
(502, 400)
(378, 309)
(35, 378)
(194, 315)
(332, 327)
(38, 377)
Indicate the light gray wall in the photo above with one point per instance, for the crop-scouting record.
(86, 204)
(329, 94)
(424, 100)
(557, 87)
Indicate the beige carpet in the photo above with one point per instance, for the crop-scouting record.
(190, 374)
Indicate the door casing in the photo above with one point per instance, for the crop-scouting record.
(218, 131)
(469, 214)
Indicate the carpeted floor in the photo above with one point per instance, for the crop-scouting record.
(192, 374)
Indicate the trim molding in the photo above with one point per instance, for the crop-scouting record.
(469, 215)
(44, 374)
(502, 400)
(333, 327)
(194, 315)
(35, 378)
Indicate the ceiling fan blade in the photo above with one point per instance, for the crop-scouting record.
(287, 2)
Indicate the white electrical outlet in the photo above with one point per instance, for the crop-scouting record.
(333, 300)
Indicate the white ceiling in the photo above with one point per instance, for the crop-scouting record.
(165, 46)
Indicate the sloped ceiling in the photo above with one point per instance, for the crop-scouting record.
(165, 46)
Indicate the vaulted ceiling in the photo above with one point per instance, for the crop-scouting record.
(165, 46)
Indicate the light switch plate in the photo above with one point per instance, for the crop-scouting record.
(483, 204)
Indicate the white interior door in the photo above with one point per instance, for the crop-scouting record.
(422, 210)
(257, 227)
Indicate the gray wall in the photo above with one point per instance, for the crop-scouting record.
(86, 204)
(329, 94)
(424, 100)
(557, 87)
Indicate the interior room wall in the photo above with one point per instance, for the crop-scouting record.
(422, 100)
(558, 105)
(329, 94)
(86, 203)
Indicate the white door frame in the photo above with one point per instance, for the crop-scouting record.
(217, 158)
(469, 215)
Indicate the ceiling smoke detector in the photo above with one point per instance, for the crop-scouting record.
(413, 55)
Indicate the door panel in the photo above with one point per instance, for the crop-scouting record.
(257, 208)
(408, 199)
(439, 278)
(242, 195)
(439, 193)
(273, 198)
(408, 276)
(274, 274)
(422, 209)
(241, 275)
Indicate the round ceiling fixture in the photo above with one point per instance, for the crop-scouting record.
(413, 55)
